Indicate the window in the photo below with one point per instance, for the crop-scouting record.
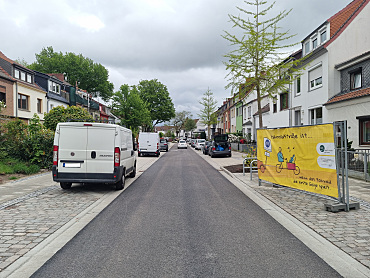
(314, 43)
(39, 105)
(356, 79)
(249, 112)
(316, 116)
(284, 101)
(364, 131)
(23, 76)
(2, 97)
(274, 107)
(315, 78)
(16, 74)
(29, 78)
(245, 113)
(298, 86)
(323, 37)
(307, 47)
(22, 102)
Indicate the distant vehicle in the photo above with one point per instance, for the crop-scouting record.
(148, 144)
(163, 145)
(192, 143)
(220, 146)
(182, 144)
(199, 144)
(93, 153)
(205, 147)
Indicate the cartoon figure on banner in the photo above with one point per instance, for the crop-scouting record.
(268, 149)
(290, 165)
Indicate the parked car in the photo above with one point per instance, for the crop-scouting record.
(163, 145)
(199, 144)
(182, 144)
(148, 143)
(205, 147)
(192, 143)
(93, 153)
(220, 146)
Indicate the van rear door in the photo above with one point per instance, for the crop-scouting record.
(100, 149)
(72, 149)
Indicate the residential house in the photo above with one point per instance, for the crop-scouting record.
(27, 97)
(55, 90)
(333, 85)
(7, 93)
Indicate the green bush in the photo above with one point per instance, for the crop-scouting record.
(61, 114)
(20, 168)
(32, 169)
(6, 169)
(31, 143)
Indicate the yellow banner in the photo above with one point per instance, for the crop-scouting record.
(299, 157)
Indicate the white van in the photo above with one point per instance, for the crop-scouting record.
(93, 153)
(148, 143)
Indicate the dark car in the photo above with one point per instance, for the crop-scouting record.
(206, 146)
(163, 145)
(220, 146)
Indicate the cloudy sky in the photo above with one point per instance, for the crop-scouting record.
(177, 42)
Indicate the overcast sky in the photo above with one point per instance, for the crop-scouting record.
(177, 42)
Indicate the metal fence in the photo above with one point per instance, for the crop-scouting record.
(358, 163)
(247, 148)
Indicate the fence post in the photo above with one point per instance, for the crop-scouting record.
(365, 166)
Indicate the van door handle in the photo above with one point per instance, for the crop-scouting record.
(93, 154)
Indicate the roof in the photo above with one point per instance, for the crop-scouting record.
(264, 109)
(340, 21)
(348, 96)
(5, 75)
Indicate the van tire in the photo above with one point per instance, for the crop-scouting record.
(133, 173)
(121, 183)
(66, 185)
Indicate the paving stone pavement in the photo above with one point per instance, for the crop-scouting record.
(350, 231)
(33, 208)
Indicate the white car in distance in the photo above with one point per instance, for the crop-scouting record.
(182, 144)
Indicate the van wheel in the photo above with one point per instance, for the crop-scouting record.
(121, 183)
(133, 173)
(65, 185)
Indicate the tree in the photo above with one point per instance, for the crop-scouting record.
(257, 60)
(79, 70)
(128, 106)
(179, 121)
(157, 100)
(190, 125)
(61, 114)
(208, 113)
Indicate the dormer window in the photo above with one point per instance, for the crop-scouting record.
(22, 75)
(314, 43)
(323, 36)
(307, 47)
(356, 79)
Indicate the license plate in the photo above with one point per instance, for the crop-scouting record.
(72, 165)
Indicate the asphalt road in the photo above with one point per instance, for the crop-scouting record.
(182, 218)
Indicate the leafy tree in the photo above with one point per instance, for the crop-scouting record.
(190, 125)
(179, 121)
(257, 60)
(158, 101)
(61, 114)
(128, 106)
(79, 70)
(2, 105)
(207, 114)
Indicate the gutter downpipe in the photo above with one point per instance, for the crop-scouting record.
(16, 99)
